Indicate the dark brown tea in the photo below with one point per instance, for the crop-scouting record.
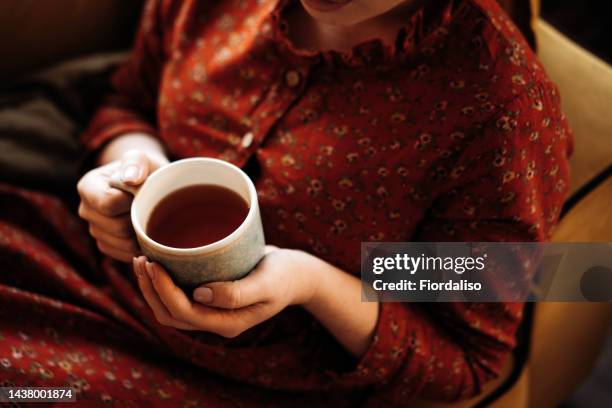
(196, 215)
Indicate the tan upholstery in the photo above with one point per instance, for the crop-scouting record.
(567, 337)
(591, 219)
(585, 84)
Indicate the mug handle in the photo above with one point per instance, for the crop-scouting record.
(116, 182)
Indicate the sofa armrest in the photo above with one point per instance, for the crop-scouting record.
(585, 85)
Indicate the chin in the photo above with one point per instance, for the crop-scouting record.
(348, 13)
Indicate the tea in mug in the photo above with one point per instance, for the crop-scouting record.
(196, 215)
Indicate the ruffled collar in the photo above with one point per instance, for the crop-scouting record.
(426, 18)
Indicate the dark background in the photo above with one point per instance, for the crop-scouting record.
(587, 22)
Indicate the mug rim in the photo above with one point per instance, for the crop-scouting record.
(224, 242)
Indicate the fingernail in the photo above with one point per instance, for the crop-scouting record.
(136, 269)
(203, 295)
(150, 270)
(131, 173)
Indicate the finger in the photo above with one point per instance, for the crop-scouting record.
(100, 196)
(269, 248)
(227, 323)
(232, 322)
(134, 168)
(254, 288)
(159, 310)
(120, 226)
(125, 244)
(247, 291)
(173, 298)
(114, 253)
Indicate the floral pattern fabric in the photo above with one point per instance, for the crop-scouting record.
(453, 133)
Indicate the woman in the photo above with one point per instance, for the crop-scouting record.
(358, 121)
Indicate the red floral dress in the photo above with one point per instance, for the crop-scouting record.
(454, 133)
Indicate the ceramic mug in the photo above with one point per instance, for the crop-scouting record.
(228, 259)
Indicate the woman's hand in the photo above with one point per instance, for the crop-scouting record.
(106, 209)
(283, 277)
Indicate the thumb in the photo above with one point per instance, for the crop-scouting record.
(134, 168)
(231, 295)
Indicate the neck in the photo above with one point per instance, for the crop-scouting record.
(322, 36)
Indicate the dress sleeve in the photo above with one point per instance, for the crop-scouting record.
(131, 105)
(508, 185)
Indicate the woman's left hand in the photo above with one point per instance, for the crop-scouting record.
(283, 277)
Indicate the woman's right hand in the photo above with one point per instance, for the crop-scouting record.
(107, 209)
